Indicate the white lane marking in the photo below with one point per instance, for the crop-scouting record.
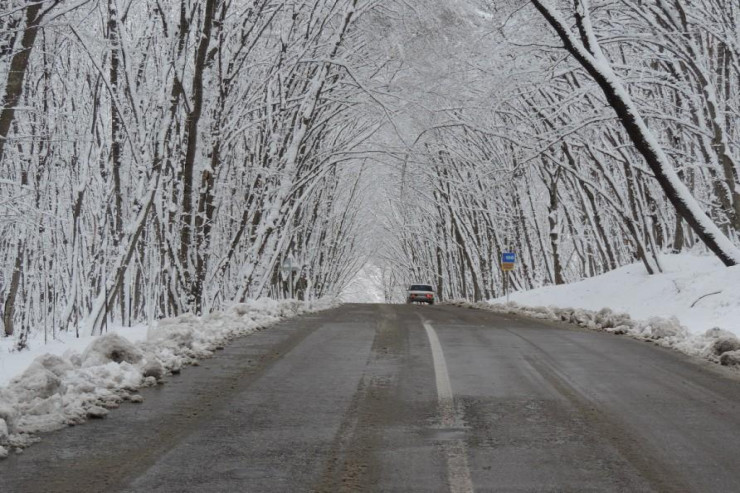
(444, 388)
(458, 472)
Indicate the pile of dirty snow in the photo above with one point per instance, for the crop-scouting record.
(68, 386)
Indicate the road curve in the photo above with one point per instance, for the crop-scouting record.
(410, 398)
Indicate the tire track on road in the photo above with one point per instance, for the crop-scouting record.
(636, 452)
(352, 464)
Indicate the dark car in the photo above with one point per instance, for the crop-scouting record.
(420, 293)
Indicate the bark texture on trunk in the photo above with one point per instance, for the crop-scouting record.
(17, 74)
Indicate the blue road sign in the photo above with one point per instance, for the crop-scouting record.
(508, 257)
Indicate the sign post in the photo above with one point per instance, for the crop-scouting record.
(288, 270)
(508, 259)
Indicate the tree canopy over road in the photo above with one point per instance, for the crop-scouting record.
(176, 156)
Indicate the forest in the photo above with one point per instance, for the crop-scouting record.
(581, 135)
(173, 156)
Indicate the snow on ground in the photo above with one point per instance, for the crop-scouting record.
(69, 380)
(698, 290)
(14, 362)
(693, 306)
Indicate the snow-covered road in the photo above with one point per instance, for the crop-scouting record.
(411, 398)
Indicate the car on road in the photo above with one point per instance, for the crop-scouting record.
(420, 293)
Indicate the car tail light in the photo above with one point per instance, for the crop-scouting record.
(430, 295)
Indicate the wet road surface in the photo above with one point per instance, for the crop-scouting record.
(410, 398)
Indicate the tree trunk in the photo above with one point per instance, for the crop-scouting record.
(552, 220)
(15, 281)
(188, 165)
(13, 93)
(17, 73)
(115, 149)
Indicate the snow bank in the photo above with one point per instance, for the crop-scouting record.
(697, 290)
(693, 307)
(716, 345)
(73, 383)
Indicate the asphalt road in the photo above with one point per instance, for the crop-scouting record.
(410, 398)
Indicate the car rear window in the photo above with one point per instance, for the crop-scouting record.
(421, 287)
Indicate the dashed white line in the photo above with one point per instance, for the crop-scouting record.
(458, 472)
(444, 388)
